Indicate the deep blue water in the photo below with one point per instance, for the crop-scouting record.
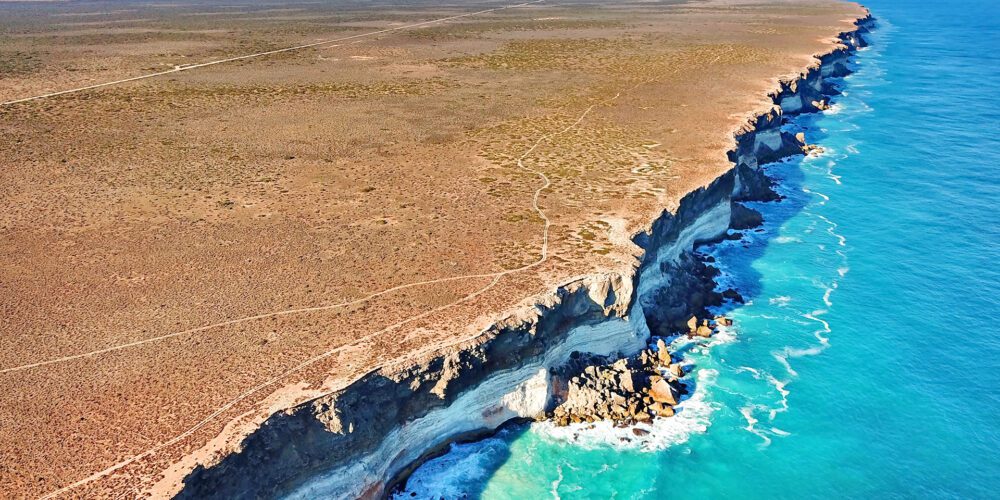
(867, 363)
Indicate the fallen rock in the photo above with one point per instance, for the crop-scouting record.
(723, 321)
(639, 432)
(618, 399)
(703, 331)
(676, 370)
(692, 323)
(821, 104)
(744, 218)
(812, 148)
(626, 381)
(662, 354)
(733, 295)
(663, 392)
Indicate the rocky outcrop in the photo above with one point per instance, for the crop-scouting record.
(745, 218)
(626, 391)
(358, 441)
(634, 389)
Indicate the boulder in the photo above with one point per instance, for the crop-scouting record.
(676, 370)
(662, 354)
(723, 321)
(639, 432)
(732, 295)
(744, 218)
(692, 323)
(812, 148)
(703, 331)
(626, 381)
(662, 392)
(618, 399)
(633, 408)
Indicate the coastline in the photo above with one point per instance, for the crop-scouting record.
(453, 396)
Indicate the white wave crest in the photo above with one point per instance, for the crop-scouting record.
(450, 475)
(751, 427)
(780, 301)
(787, 239)
(780, 387)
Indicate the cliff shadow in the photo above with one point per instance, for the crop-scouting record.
(789, 180)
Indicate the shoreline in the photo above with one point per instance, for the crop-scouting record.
(714, 278)
(586, 314)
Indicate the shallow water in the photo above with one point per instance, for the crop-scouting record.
(867, 361)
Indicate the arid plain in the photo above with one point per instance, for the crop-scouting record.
(183, 255)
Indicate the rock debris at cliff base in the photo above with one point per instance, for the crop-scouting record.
(627, 390)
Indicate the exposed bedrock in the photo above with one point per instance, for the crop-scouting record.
(358, 441)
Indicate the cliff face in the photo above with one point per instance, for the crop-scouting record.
(357, 441)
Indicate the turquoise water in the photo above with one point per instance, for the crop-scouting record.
(867, 363)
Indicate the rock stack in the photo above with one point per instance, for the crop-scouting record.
(801, 137)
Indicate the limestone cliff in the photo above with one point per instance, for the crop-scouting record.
(358, 441)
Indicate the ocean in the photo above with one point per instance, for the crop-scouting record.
(866, 362)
